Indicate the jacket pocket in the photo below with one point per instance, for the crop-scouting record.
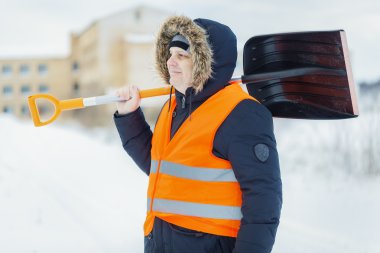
(185, 240)
(225, 244)
(219, 248)
(185, 231)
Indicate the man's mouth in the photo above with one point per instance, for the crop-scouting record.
(174, 72)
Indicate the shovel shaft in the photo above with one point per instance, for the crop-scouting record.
(107, 99)
(156, 92)
(100, 100)
(70, 104)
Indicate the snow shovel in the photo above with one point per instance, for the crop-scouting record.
(305, 75)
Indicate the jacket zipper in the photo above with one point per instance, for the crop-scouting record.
(183, 102)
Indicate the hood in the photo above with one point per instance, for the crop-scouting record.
(212, 48)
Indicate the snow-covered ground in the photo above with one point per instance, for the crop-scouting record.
(65, 189)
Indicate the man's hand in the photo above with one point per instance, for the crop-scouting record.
(131, 95)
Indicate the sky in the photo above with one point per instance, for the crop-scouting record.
(34, 28)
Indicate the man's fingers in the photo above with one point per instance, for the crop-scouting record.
(134, 91)
(125, 93)
(128, 92)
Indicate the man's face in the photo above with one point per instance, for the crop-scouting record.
(180, 69)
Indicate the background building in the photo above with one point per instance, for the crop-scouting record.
(20, 78)
(111, 52)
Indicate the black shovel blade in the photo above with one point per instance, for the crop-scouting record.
(304, 75)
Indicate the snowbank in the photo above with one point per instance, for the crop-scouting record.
(64, 189)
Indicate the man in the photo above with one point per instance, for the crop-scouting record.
(214, 178)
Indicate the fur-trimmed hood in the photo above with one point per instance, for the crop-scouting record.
(212, 48)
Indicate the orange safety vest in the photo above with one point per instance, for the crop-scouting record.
(188, 185)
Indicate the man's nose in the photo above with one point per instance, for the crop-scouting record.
(171, 61)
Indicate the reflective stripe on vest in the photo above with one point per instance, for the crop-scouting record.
(194, 173)
(196, 209)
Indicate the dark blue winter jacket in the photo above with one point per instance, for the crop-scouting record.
(246, 139)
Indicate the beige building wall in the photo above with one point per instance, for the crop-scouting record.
(112, 52)
(20, 78)
(133, 27)
(139, 65)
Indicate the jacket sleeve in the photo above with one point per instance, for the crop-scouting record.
(251, 149)
(136, 137)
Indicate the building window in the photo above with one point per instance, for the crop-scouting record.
(7, 90)
(75, 66)
(6, 70)
(24, 110)
(24, 70)
(76, 88)
(42, 69)
(43, 109)
(43, 88)
(25, 89)
(137, 15)
(7, 109)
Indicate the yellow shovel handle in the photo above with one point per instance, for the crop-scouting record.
(155, 92)
(76, 103)
(70, 104)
